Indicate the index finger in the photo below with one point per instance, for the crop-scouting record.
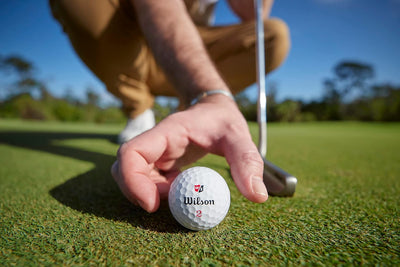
(135, 166)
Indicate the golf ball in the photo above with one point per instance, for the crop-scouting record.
(199, 198)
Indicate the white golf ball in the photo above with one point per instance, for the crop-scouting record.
(199, 198)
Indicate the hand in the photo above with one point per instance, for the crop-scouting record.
(147, 165)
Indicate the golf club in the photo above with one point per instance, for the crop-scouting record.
(277, 181)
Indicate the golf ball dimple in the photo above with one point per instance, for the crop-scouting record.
(199, 198)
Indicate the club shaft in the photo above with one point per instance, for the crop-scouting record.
(278, 182)
(260, 64)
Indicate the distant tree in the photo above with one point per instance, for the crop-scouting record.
(384, 103)
(382, 90)
(92, 97)
(332, 102)
(272, 104)
(248, 107)
(22, 100)
(350, 76)
(16, 64)
(289, 111)
(349, 82)
(25, 80)
(70, 97)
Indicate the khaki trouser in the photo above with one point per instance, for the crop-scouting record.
(107, 37)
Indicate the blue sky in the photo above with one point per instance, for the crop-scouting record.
(323, 32)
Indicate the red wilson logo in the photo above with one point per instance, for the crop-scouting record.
(198, 188)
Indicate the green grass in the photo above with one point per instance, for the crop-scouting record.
(59, 204)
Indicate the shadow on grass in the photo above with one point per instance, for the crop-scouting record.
(93, 192)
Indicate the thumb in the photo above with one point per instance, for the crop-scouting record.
(246, 168)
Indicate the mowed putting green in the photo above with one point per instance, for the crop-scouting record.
(59, 204)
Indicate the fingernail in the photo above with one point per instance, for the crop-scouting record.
(259, 186)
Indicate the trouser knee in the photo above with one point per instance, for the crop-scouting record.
(277, 43)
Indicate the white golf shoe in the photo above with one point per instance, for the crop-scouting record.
(136, 126)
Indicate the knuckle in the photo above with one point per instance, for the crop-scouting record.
(252, 157)
(253, 160)
(237, 130)
(122, 150)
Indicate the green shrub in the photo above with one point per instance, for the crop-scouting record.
(25, 107)
(65, 111)
(110, 115)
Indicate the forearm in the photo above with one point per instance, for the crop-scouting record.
(177, 46)
(244, 9)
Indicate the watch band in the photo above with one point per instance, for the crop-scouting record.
(211, 92)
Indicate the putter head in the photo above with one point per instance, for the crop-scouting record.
(278, 182)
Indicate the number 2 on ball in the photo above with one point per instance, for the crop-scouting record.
(198, 213)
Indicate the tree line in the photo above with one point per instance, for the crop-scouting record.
(350, 94)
